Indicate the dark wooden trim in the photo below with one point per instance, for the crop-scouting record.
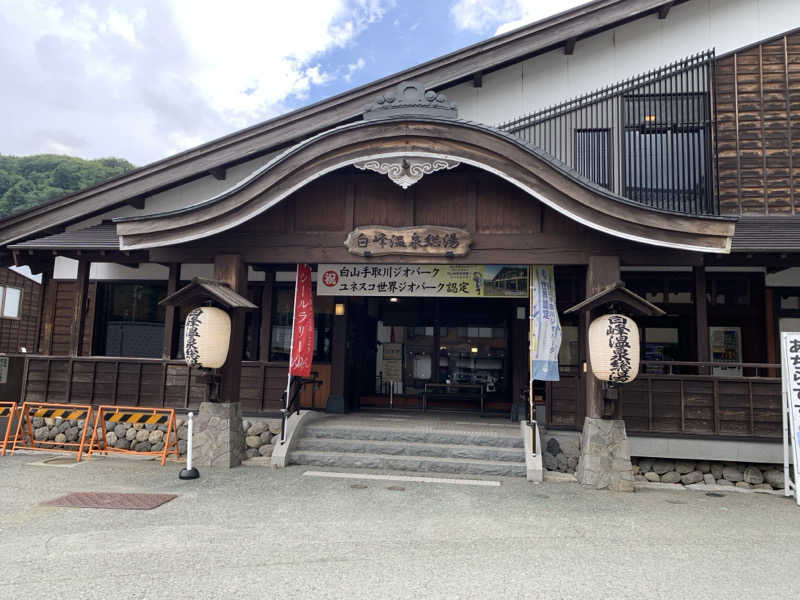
(701, 314)
(218, 173)
(770, 328)
(170, 312)
(79, 313)
(231, 269)
(663, 11)
(339, 350)
(265, 334)
(477, 79)
(48, 309)
(569, 46)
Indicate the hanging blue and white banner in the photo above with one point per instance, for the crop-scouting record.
(545, 328)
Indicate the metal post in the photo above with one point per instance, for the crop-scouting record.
(189, 472)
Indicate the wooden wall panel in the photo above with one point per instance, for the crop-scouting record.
(758, 128)
(441, 199)
(504, 208)
(379, 201)
(320, 205)
(24, 331)
(64, 292)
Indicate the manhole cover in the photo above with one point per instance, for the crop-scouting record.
(111, 500)
(358, 486)
(396, 488)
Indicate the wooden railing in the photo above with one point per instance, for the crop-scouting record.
(145, 382)
(689, 398)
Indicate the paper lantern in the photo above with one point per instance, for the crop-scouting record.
(206, 337)
(614, 348)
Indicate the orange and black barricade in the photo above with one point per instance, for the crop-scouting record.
(114, 415)
(26, 434)
(8, 410)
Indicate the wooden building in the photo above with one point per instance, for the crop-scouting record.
(680, 175)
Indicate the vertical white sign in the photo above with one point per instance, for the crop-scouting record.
(790, 375)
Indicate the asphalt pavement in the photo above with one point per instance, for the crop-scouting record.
(265, 533)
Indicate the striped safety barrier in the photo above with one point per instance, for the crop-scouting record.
(7, 411)
(26, 434)
(134, 415)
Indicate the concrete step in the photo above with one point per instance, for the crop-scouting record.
(396, 434)
(420, 464)
(398, 448)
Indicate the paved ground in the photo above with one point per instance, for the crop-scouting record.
(260, 533)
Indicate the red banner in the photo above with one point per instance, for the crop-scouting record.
(303, 325)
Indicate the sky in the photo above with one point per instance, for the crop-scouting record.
(144, 79)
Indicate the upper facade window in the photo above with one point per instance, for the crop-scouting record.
(647, 138)
(10, 298)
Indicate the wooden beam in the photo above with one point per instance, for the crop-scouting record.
(79, 304)
(339, 354)
(231, 269)
(663, 10)
(477, 79)
(771, 329)
(218, 173)
(137, 203)
(602, 272)
(701, 313)
(47, 317)
(171, 312)
(569, 46)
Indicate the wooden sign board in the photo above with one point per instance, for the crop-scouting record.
(377, 240)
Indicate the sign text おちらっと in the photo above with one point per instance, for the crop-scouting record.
(790, 351)
(453, 281)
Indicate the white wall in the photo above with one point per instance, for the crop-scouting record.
(67, 268)
(622, 52)
(185, 195)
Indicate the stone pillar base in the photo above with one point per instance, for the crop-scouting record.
(605, 461)
(217, 437)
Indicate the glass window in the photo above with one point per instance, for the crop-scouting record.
(281, 342)
(11, 302)
(129, 321)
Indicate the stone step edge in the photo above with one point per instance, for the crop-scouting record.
(469, 439)
(405, 444)
(427, 459)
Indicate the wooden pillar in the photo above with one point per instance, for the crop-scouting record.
(701, 313)
(48, 309)
(339, 357)
(265, 331)
(602, 272)
(170, 312)
(79, 305)
(771, 330)
(230, 269)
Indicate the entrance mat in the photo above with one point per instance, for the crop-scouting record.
(111, 500)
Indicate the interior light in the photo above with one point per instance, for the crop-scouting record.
(649, 118)
(339, 309)
(474, 350)
(392, 299)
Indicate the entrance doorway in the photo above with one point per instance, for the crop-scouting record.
(437, 353)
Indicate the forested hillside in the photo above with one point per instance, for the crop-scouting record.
(27, 181)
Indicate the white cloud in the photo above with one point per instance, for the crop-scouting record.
(352, 68)
(483, 16)
(143, 80)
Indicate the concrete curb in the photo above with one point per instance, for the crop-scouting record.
(534, 471)
(701, 487)
(294, 427)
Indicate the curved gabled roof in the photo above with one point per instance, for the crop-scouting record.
(495, 151)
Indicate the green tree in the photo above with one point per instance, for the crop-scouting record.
(28, 181)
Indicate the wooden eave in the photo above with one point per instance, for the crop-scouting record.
(617, 293)
(483, 147)
(207, 158)
(199, 291)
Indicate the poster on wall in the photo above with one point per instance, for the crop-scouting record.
(545, 327)
(392, 361)
(448, 281)
(790, 384)
(725, 345)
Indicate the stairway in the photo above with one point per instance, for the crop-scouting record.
(423, 443)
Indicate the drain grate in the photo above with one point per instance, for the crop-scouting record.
(111, 500)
